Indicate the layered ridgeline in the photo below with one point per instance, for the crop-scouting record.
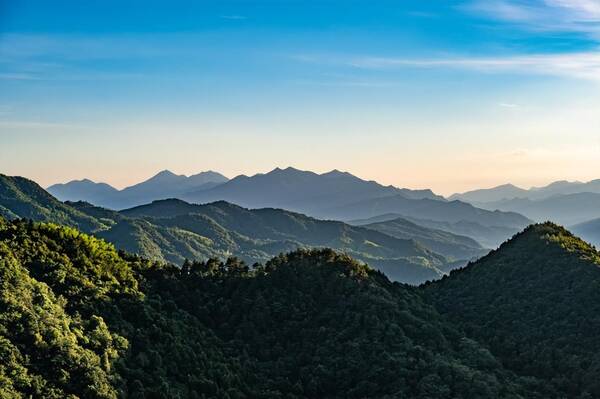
(77, 319)
(443, 242)
(172, 231)
(333, 195)
(563, 202)
(535, 304)
(165, 184)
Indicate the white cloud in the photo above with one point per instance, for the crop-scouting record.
(580, 16)
(584, 65)
(508, 105)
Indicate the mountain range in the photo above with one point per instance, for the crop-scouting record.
(173, 230)
(510, 191)
(163, 185)
(334, 195)
(563, 202)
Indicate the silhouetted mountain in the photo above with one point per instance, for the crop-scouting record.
(83, 190)
(444, 211)
(164, 185)
(534, 303)
(508, 192)
(445, 243)
(300, 191)
(505, 191)
(565, 209)
(79, 319)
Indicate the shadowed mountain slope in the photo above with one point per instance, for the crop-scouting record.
(534, 303)
(80, 320)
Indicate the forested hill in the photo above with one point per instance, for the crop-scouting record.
(23, 198)
(535, 302)
(173, 230)
(77, 319)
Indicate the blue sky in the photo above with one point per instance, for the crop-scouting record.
(442, 94)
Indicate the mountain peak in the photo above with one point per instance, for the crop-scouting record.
(165, 174)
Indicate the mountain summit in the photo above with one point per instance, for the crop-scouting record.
(535, 303)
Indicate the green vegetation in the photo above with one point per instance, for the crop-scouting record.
(448, 244)
(535, 303)
(22, 198)
(79, 319)
(173, 230)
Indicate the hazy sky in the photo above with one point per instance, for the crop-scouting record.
(448, 95)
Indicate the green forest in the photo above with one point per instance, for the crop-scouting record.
(80, 319)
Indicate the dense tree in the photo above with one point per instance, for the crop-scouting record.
(78, 319)
(535, 302)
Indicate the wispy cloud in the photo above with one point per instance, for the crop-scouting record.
(584, 65)
(581, 16)
(508, 105)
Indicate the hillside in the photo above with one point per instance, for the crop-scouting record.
(445, 243)
(79, 320)
(534, 303)
(22, 198)
(486, 236)
(256, 235)
(172, 231)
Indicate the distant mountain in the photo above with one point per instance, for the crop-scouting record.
(173, 230)
(445, 243)
(487, 236)
(301, 191)
(566, 209)
(445, 211)
(506, 191)
(83, 190)
(589, 231)
(534, 303)
(164, 185)
(509, 191)
(23, 198)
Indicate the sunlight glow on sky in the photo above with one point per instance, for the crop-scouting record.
(449, 95)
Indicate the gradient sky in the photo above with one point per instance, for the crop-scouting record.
(448, 95)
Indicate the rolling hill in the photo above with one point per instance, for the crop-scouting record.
(442, 211)
(448, 244)
(487, 236)
(22, 198)
(274, 230)
(534, 303)
(172, 231)
(79, 319)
